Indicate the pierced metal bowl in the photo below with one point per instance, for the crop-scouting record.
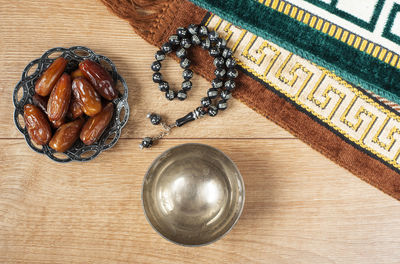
(25, 89)
(193, 194)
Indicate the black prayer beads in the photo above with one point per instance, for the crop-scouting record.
(154, 118)
(222, 86)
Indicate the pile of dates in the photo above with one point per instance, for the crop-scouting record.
(70, 106)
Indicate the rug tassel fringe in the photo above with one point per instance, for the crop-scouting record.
(141, 14)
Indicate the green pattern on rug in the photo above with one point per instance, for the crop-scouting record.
(340, 58)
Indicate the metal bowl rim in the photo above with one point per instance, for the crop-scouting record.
(241, 204)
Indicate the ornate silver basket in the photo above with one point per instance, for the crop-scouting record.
(25, 89)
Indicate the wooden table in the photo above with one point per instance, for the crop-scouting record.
(300, 207)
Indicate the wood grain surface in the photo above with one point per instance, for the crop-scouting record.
(300, 207)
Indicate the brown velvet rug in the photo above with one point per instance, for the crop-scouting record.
(343, 122)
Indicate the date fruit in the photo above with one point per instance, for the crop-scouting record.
(77, 73)
(37, 125)
(87, 97)
(66, 135)
(40, 102)
(75, 109)
(59, 99)
(96, 125)
(63, 101)
(100, 79)
(58, 123)
(49, 78)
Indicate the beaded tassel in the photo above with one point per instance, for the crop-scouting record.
(222, 85)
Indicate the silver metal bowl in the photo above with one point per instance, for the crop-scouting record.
(193, 194)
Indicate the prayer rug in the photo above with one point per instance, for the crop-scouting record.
(321, 69)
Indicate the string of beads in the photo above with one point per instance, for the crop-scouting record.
(222, 85)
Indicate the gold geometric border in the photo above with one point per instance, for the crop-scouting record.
(369, 125)
(333, 30)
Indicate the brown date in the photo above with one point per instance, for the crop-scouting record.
(66, 135)
(37, 125)
(96, 125)
(75, 109)
(40, 102)
(59, 99)
(58, 123)
(49, 78)
(87, 97)
(100, 79)
(77, 73)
